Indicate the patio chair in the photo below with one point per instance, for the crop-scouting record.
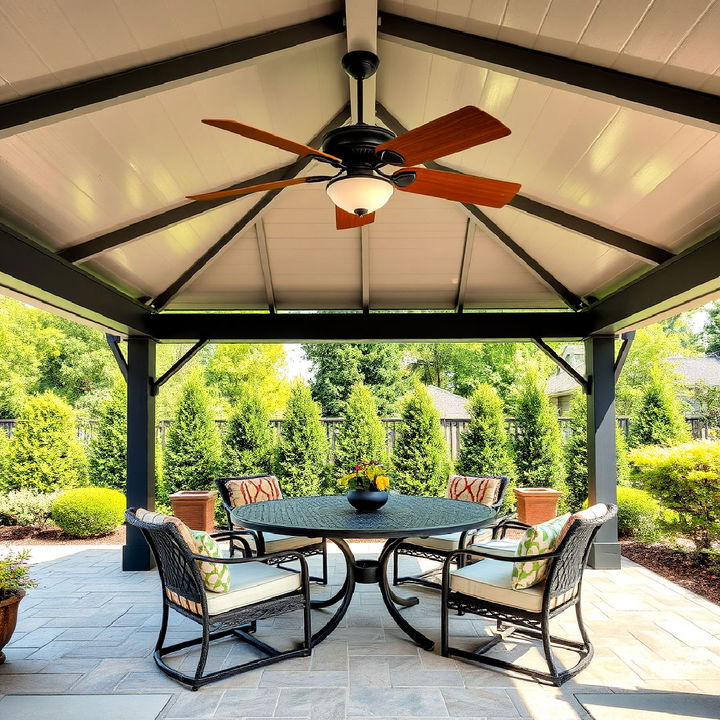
(236, 491)
(256, 591)
(485, 588)
(488, 490)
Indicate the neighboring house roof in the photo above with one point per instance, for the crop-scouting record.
(448, 404)
(691, 369)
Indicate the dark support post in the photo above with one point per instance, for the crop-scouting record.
(602, 457)
(140, 446)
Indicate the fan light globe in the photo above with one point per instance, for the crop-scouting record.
(360, 195)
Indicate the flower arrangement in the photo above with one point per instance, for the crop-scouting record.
(14, 574)
(367, 476)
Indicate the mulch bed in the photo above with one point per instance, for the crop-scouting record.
(682, 567)
(18, 535)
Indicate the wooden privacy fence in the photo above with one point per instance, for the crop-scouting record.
(452, 428)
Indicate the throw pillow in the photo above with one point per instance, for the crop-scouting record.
(156, 518)
(473, 489)
(215, 576)
(538, 539)
(244, 491)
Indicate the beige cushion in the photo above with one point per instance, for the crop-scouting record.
(244, 491)
(501, 546)
(482, 490)
(275, 542)
(251, 583)
(446, 543)
(155, 518)
(491, 580)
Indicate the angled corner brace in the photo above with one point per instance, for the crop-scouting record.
(114, 342)
(186, 358)
(564, 364)
(627, 341)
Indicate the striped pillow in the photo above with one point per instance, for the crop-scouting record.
(155, 518)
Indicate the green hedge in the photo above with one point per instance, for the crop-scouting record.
(639, 514)
(89, 512)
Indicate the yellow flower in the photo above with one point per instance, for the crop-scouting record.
(382, 482)
(346, 478)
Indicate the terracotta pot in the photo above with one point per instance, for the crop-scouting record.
(536, 505)
(196, 508)
(8, 619)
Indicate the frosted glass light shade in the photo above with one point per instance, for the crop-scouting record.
(360, 193)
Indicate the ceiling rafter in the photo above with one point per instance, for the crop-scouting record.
(465, 266)
(265, 265)
(51, 106)
(567, 296)
(165, 218)
(644, 94)
(177, 285)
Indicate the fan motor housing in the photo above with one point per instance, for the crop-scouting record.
(355, 144)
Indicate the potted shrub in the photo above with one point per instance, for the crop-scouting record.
(14, 579)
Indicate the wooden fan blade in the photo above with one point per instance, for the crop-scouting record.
(461, 188)
(446, 135)
(253, 188)
(262, 136)
(345, 220)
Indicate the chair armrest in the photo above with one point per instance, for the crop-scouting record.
(236, 535)
(504, 558)
(261, 558)
(507, 523)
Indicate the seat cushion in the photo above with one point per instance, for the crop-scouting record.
(276, 542)
(491, 580)
(537, 540)
(500, 546)
(251, 583)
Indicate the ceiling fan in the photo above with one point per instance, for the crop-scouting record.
(358, 153)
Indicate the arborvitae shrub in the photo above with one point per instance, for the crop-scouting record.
(301, 453)
(361, 437)
(420, 461)
(249, 440)
(44, 452)
(108, 449)
(89, 511)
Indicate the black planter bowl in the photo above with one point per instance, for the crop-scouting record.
(367, 501)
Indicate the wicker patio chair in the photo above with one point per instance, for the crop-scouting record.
(437, 548)
(484, 588)
(257, 591)
(257, 488)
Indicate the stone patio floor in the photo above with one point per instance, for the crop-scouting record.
(89, 629)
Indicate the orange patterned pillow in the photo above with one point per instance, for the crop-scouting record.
(244, 491)
(482, 490)
(156, 518)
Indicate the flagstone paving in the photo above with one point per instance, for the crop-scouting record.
(89, 629)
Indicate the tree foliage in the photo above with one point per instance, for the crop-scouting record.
(107, 457)
(361, 437)
(711, 332)
(537, 445)
(248, 441)
(192, 447)
(302, 451)
(44, 453)
(420, 462)
(659, 420)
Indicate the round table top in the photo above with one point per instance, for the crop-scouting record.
(333, 516)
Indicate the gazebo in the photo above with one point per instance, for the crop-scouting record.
(614, 117)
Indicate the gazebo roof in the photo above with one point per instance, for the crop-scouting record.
(614, 118)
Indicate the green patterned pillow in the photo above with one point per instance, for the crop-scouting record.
(215, 576)
(538, 539)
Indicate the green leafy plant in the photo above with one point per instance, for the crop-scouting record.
(367, 476)
(89, 511)
(301, 453)
(420, 461)
(249, 440)
(15, 574)
(192, 448)
(27, 508)
(640, 515)
(44, 453)
(361, 436)
(107, 458)
(686, 479)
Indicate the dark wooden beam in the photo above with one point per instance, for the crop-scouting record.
(688, 277)
(465, 266)
(627, 340)
(368, 327)
(561, 362)
(51, 106)
(28, 268)
(644, 94)
(177, 285)
(113, 342)
(164, 219)
(177, 366)
(546, 277)
(265, 264)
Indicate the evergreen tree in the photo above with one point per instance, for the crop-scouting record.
(192, 448)
(108, 449)
(485, 448)
(44, 453)
(538, 456)
(336, 370)
(711, 332)
(381, 368)
(301, 454)
(361, 437)
(420, 462)
(659, 420)
(248, 441)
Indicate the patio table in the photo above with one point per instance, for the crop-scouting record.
(332, 517)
